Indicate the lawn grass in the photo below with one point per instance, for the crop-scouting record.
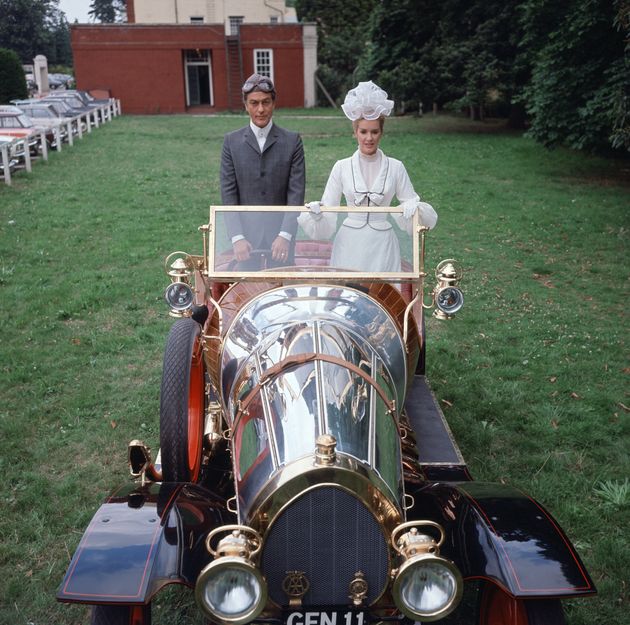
(532, 374)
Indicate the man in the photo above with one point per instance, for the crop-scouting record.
(262, 165)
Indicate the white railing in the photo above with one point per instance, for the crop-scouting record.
(16, 154)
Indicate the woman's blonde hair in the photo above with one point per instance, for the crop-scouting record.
(381, 122)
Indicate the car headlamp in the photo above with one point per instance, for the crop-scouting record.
(427, 586)
(179, 296)
(231, 589)
(449, 300)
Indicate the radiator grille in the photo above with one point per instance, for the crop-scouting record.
(330, 535)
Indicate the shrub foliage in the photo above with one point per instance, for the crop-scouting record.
(12, 79)
(561, 68)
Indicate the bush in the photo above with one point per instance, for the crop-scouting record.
(12, 79)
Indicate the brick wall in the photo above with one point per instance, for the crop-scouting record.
(143, 65)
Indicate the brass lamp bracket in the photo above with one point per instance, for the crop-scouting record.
(179, 266)
(413, 542)
(241, 541)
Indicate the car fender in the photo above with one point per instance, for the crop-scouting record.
(498, 533)
(142, 538)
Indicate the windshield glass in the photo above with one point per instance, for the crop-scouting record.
(25, 122)
(40, 113)
(337, 242)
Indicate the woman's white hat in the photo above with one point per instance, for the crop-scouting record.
(366, 101)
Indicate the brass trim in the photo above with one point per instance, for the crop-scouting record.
(415, 549)
(231, 562)
(358, 589)
(289, 362)
(205, 229)
(230, 501)
(216, 306)
(325, 450)
(242, 541)
(411, 526)
(410, 564)
(303, 475)
(295, 585)
(177, 269)
(408, 310)
(384, 521)
(409, 501)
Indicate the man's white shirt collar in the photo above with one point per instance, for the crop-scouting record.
(261, 134)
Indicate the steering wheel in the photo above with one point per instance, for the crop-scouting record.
(257, 256)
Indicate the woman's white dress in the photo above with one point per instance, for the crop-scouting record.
(365, 242)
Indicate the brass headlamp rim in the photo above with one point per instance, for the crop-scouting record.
(179, 311)
(232, 562)
(414, 562)
(444, 312)
(424, 549)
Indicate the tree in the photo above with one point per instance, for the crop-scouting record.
(61, 41)
(25, 27)
(108, 11)
(12, 80)
(579, 88)
(342, 37)
(456, 52)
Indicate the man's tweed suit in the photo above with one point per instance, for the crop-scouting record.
(274, 178)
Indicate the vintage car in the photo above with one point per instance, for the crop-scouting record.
(15, 124)
(306, 474)
(45, 115)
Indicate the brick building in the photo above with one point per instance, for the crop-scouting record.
(195, 66)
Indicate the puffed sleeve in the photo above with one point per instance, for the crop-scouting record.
(406, 194)
(324, 225)
(334, 187)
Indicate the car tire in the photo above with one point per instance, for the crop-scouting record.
(121, 615)
(498, 608)
(182, 403)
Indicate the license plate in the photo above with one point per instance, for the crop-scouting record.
(325, 617)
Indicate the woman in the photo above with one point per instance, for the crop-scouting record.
(366, 242)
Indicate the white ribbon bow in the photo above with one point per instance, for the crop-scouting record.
(374, 198)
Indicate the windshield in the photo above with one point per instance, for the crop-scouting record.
(40, 113)
(25, 122)
(374, 242)
(60, 106)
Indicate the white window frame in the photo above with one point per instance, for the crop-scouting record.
(205, 58)
(194, 19)
(258, 66)
(235, 22)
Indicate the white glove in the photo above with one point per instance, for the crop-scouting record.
(409, 208)
(314, 210)
(314, 207)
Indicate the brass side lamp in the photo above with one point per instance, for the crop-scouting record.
(179, 295)
(447, 296)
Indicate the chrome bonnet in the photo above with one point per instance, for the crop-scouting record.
(299, 362)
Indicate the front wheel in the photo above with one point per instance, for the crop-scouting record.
(121, 615)
(499, 608)
(182, 403)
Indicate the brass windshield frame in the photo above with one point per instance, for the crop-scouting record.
(268, 275)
